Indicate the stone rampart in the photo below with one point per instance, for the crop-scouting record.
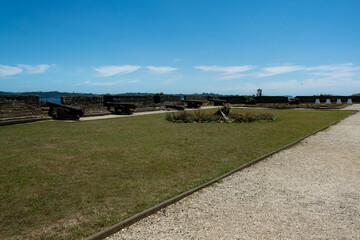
(202, 98)
(234, 99)
(333, 99)
(143, 102)
(20, 108)
(92, 105)
(271, 99)
(163, 100)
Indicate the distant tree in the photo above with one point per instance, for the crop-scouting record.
(259, 92)
(323, 95)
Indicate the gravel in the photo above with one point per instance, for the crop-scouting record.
(310, 191)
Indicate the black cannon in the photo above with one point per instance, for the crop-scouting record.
(121, 108)
(64, 112)
(193, 103)
(175, 106)
(250, 101)
(217, 102)
(294, 101)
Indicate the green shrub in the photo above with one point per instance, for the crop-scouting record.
(202, 117)
(251, 117)
(226, 109)
(198, 116)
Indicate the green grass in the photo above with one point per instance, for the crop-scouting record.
(292, 106)
(61, 180)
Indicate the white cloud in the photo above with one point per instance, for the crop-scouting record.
(108, 83)
(107, 71)
(335, 67)
(334, 71)
(9, 71)
(339, 71)
(227, 73)
(161, 70)
(271, 71)
(226, 70)
(34, 69)
(232, 76)
(134, 81)
(23, 68)
(276, 85)
(318, 84)
(113, 83)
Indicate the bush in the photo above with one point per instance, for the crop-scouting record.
(201, 117)
(226, 109)
(251, 117)
(198, 116)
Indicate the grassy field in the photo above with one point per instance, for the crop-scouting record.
(61, 180)
(292, 106)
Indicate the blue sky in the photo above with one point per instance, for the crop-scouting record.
(228, 47)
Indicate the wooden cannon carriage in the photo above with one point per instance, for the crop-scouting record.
(193, 103)
(64, 112)
(121, 108)
(174, 106)
(217, 102)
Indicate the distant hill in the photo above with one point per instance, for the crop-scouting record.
(52, 94)
(56, 94)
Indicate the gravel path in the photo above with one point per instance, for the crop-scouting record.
(310, 191)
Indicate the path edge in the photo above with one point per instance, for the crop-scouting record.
(137, 217)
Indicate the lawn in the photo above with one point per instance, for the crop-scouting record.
(293, 106)
(71, 179)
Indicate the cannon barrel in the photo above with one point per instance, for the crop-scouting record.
(73, 110)
(121, 108)
(126, 105)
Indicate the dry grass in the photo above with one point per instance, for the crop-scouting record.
(69, 180)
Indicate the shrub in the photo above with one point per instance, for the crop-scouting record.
(251, 117)
(226, 109)
(201, 117)
(198, 116)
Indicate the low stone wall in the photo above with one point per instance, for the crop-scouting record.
(234, 99)
(163, 100)
(20, 108)
(92, 105)
(333, 99)
(143, 102)
(263, 99)
(197, 98)
(271, 99)
(202, 98)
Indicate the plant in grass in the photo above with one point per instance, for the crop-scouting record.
(252, 117)
(204, 117)
(198, 116)
(226, 109)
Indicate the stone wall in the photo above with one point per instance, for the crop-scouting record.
(234, 99)
(197, 97)
(204, 99)
(263, 99)
(271, 99)
(143, 102)
(92, 105)
(20, 108)
(163, 100)
(311, 99)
